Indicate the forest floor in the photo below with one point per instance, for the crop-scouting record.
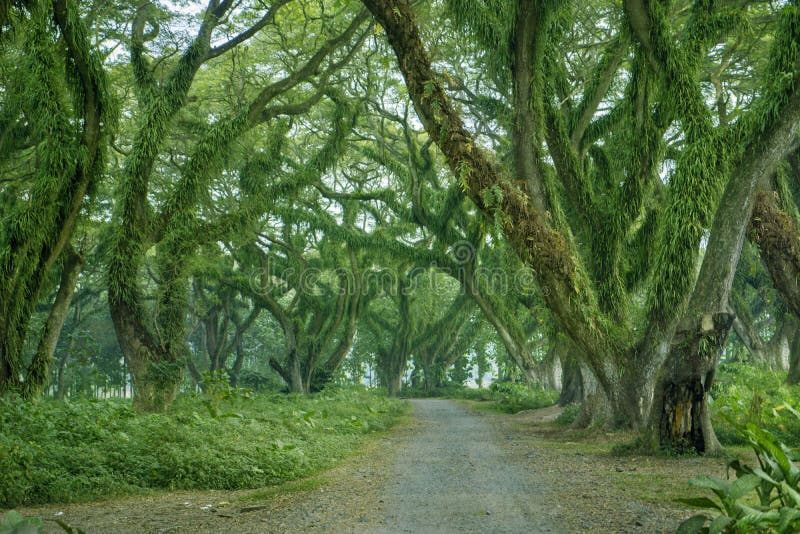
(446, 468)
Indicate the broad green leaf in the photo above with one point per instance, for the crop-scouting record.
(693, 525)
(700, 502)
(789, 519)
(792, 493)
(719, 524)
(752, 517)
(717, 485)
(743, 485)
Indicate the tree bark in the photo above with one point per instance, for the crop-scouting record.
(793, 377)
(680, 416)
(38, 370)
(394, 380)
(778, 239)
(571, 379)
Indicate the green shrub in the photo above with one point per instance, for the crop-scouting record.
(53, 451)
(774, 485)
(506, 397)
(746, 393)
(511, 397)
(569, 414)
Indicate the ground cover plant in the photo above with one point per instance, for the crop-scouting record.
(87, 449)
(762, 498)
(745, 393)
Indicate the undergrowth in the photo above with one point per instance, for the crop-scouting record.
(505, 397)
(53, 451)
(745, 393)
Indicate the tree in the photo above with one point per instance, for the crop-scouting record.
(54, 80)
(624, 360)
(153, 340)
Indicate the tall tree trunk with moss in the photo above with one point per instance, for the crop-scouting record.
(59, 87)
(793, 376)
(572, 390)
(680, 415)
(778, 238)
(38, 370)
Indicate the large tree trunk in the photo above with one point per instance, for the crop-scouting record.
(681, 418)
(794, 361)
(61, 389)
(571, 380)
(778, 239)
(236, 368)
(155, 373)
(154, 392)
(596, 410)
(292, 373)
(39, 368)
(394, 383)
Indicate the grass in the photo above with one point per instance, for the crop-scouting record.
(291, 486)
(83, 450)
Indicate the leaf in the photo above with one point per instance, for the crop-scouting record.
(788, 516)
(693, 525)
(754, 517)
(68, 529)
(700, 502)
(764, 476)
(16, 523)
(717, 485)
(786, 489)
(719, 523)
(743, 485)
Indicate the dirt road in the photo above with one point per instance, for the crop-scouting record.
(452, 476)
(447, 469)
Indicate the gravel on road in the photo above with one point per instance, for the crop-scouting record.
(447, 468)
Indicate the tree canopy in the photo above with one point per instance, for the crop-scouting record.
(309, 191)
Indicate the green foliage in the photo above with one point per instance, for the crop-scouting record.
(15, 523)
(510, 397)
(506, 397)
(775, 483)
(569, 414)
(748, 394)
(70, 451)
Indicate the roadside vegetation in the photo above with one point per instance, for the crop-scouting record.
(92, 449)
(504, 397)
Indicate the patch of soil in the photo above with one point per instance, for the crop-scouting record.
(596, 491)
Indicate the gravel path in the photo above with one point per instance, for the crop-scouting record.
(452, 476)
(447, 468)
